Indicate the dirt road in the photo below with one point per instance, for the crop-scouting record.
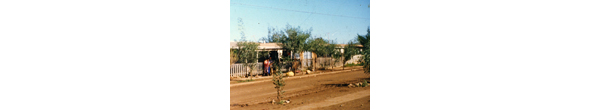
(310, 92)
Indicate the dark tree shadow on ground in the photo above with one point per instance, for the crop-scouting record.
(336, 85)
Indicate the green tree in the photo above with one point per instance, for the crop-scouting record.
(323, 48)
(365, 41)
(292, 39)
(233, 56)
(349, 51)
(317, 45)
(328, 51)
(336, 54)
(248, 55)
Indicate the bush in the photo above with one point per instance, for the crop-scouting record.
(352, 64)
(278, 81)
(364, 83)
(282, 102)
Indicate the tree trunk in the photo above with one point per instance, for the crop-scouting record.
(314, 64)
(301, 59)
(247, 71)
(314, 60)
(332, 63)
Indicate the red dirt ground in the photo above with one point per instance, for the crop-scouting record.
(327, 91)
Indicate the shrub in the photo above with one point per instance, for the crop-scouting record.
(278, 81)
(353, 64)
(364, 83)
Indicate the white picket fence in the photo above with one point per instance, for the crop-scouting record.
(239, 70)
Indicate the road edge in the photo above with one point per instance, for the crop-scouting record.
(303, 76)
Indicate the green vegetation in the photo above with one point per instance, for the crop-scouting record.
(246, 51)
(292, 39)
(248, 55)
(278, 80)
(282, 102)
(365, 41)
(349, 51)
(336, 55)
(364, 83)
(353, 64)
(296, 40)
(233, 56)
(320, 47)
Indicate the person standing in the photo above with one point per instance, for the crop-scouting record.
(269, 69)
(266, 67)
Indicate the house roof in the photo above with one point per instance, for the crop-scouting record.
(342, 45)
(232, 44)
(269, 46)
(275, 46)
(260, 46)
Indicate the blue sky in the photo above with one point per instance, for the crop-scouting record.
(340, 20)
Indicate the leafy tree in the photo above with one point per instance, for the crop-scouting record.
(317, 45)
(292, 39)
(233, 57)
(334, 53)
(323, 48)
(349, 51)
(273, 36)
(248, 55)
(365, 41)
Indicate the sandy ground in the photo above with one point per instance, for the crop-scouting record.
(358, 104)
(328, 91)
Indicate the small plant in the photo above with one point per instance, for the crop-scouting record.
(282, 102)
(278, 81)
(354, 64)
(364, 83)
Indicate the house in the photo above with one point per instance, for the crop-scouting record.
(355, 59)
(277, 52)
(274, 50)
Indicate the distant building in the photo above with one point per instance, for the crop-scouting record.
(277, 52)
